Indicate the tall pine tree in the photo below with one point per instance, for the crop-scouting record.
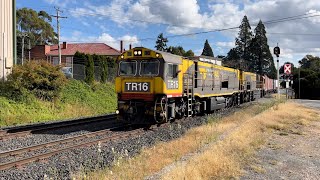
(239, 57)
(261, 57)
(207, 50)
(161, 43)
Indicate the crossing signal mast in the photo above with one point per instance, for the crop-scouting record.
(276, 51)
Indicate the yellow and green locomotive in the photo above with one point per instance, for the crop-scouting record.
(155, 86)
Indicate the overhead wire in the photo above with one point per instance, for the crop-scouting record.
(285, 19)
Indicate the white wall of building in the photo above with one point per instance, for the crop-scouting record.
(6, 37)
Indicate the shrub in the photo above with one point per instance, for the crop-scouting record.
(42, 79)
(89, 69)
(104, 70)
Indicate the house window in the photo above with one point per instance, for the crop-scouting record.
(55, 60)
(69, 61)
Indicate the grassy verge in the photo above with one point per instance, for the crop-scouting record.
(229, 142)
(225, 158)
(77, 99)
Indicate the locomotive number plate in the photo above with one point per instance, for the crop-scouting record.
(137, 86)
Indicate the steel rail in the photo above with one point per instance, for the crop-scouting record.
(27, 160)
(50, 123)
(52, 143)
(6, 134)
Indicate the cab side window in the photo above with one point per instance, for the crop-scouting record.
(172, 70)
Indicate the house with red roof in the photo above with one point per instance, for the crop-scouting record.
(50, 53)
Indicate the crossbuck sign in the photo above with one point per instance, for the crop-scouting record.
(287, 68)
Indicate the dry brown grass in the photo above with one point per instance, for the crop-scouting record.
(223, 158)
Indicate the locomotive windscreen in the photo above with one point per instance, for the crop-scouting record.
(149, 68)
(128, 68)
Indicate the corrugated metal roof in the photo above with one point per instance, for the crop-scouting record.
(88, 48)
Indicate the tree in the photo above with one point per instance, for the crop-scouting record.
(309, 77)
(161, 43)
(89, 69)
(310, 62)
(178, 50)
(232, 59)
(189, 53)
(36, 26)
(260, 58)
(239, 57)
(207, 50)
(104, 69)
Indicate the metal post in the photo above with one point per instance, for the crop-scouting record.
(29, 48)
(22, 50)
(58, 29)
(299, 82)
(278, 87)
(3, 57)
(72, 67)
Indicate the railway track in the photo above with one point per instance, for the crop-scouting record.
(66, 144)
(18, 131)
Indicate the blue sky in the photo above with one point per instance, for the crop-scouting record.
(139, 22)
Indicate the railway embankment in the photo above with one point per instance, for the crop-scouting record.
(76, 99)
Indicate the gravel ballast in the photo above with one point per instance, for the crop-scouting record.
(65, 164)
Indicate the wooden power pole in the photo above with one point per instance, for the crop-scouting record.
(58, 30)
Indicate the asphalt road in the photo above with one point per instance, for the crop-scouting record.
(309, 103)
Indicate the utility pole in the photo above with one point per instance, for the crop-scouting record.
(29, 48)
(23, 35)
(58, 30)
(299, 81)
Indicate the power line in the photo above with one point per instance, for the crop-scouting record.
(231, 28)
(285, 19)
(180, 25)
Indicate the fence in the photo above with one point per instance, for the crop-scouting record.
(79, 72)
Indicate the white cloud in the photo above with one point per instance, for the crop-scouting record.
(79, 37)
(61, 3)
(226, 44)
(185, 16)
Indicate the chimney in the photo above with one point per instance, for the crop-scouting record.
(47, 49)
(130, 46)
(64, 45)
(121, 46)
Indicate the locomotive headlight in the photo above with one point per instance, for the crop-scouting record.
(135, 52)
(117, 111)
(139, 52)
(122, 56)
(157, 55)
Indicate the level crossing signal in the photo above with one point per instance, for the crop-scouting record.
(287, 68)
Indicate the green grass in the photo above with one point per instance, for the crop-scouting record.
(76, 99)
